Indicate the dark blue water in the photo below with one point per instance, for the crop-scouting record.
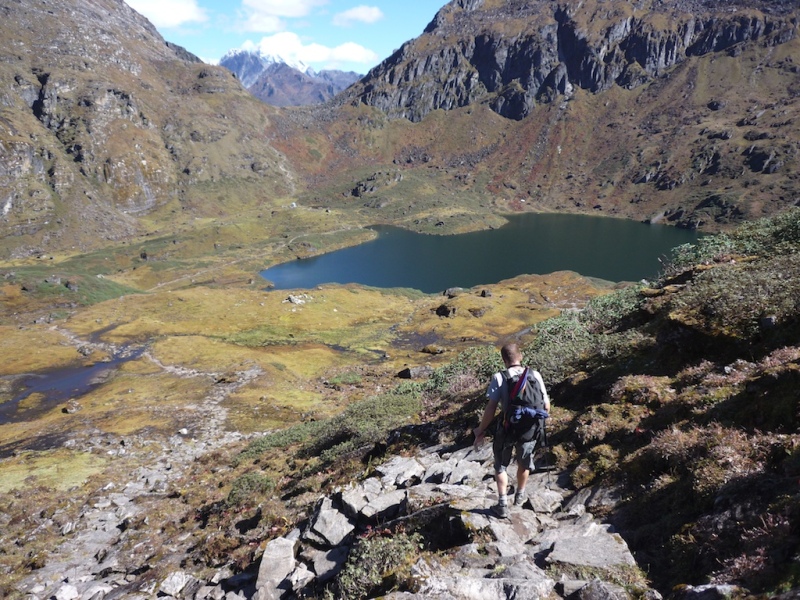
(59, 385)
(610, 249)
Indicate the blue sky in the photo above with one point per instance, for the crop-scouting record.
(339, 34)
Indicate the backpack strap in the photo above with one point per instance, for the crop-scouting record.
(520, 385)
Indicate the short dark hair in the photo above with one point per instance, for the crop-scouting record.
(511, 353)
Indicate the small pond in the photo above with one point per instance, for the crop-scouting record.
(59, 385)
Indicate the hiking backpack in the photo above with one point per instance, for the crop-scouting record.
(524, 411)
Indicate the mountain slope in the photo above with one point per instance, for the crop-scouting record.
(107, 131)
(673, 112)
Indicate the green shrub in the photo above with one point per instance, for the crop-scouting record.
(376, 565)
(766, 237)
(284, 438)
(732, 298)
(248, 486)
(85, 290)
(705, 250)
(479, 362)
(608, 311)
(349, 378)
(361, 424)
(559, 345)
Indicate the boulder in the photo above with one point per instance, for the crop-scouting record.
(604, 550)
(67, 592)
(329, 527)
(174, 583)
(545, 501)
(400, 471)
(277, 562)
(386, 506)
(600, 590)
(416, 372)
(710, 592)
(481, 454)
(326, 563)
(445, 311)
(454, 471)
(355, 499)
(299, 578)
(439, 581)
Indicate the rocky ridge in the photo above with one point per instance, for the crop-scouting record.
(512, 55)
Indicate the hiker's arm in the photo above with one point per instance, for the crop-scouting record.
(486, 419)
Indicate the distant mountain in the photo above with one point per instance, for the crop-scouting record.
(283, 82)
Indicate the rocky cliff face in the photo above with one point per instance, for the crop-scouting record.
(512, 55)
(103, 122)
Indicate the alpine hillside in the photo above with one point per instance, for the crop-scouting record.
(675, 111)
(172, 428)
(107, 130)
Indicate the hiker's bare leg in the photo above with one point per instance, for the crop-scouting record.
(502, 483)
(522, 479)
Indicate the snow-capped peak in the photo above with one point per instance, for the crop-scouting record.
(267, 58)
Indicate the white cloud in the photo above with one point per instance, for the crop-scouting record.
(358, 14)
(267, 15)
(169, 13)
(290, 47)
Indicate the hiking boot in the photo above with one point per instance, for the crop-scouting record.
(500, 510)
(519, 498)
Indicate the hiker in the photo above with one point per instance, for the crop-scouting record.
(506, 439)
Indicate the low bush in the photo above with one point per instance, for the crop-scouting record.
(361, 424)
(477, 364)
(732, 299)
(247, 489)
(284, 438)
(607, 312)
(766, 237)
(376, 565)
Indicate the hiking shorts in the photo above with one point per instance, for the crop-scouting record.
(503, 451)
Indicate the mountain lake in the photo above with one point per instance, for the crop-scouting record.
(601, 247)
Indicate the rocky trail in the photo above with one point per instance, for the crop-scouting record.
(551, 546)
(445, 495)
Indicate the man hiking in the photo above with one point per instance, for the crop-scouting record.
(522, 396)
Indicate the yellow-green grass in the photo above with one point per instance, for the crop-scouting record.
(59, 470)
